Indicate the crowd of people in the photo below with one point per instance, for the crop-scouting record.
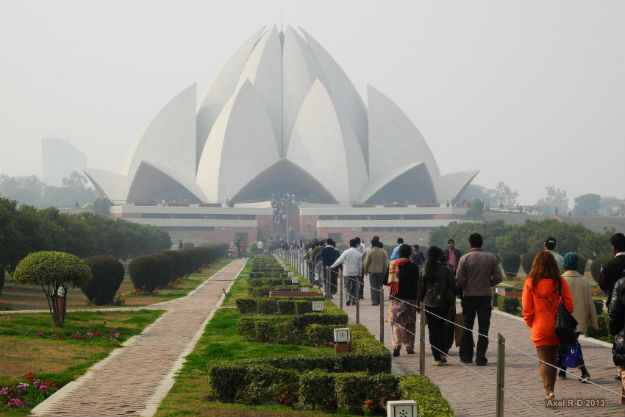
(430, 284)
(281, 202)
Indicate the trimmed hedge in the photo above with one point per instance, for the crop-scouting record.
(526, 260)
(511, 263)
(316, 387)
(108, 274)
(273, 325)
(430, 402)
(144, 272)
(264, 290)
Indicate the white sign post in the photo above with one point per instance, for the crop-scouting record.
(401, 408)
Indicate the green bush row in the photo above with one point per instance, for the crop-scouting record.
(264, 290)
(149, 272)
(250, 305)
(108, 274)
(356, 392)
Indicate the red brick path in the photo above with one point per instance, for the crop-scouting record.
(134, 379)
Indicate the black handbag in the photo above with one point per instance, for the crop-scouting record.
(565, 322)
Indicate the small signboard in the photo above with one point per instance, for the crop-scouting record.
(341, 335)
(305, 289)
(291, 273)
(318, 305)
(406, 408)
(294, 280)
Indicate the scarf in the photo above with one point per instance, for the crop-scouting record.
(393, 272)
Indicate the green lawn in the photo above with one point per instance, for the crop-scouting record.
(31, 343)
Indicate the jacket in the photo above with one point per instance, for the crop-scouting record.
(376, 261)
(395, 253)
(440, 293)
(352, 262)
(584, 309)
(328, 255)
(456, 252)
(477, 272)
(558, 259)
(612, 272)
(540, 307)
(616, 311)
(408, 277)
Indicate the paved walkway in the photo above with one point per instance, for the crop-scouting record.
(474, 395)
(135, 378)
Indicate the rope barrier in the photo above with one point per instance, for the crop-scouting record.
(475, 332)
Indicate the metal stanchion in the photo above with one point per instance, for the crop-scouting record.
(381, 315)
(357, 300)
(501, 368)
(341, 289)
(422, 340)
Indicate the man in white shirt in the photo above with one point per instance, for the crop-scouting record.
(351, 260)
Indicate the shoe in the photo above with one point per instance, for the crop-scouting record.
(466, 359)
(347, 303)
(481, 361)
(436, 363)
(443, 359)
(618, 377)
(562, 374)
(410, 351)
(375, 304)
(550, 396)
(396, 351)
(584, 378)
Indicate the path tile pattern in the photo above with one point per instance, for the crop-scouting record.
(471, 395)
(125, 384)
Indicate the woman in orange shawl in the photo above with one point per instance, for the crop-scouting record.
(540, 306)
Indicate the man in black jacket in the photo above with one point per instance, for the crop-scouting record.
(615, 268)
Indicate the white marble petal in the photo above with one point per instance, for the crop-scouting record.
(168, 140)
(221, 89)
(240, 146)
(107, 184)
(325, 149)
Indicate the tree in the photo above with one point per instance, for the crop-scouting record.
(587, 205)
(108, 274)
(555, 202)
(477, 207)
(505, 196)
(612, 206)
(56, 272)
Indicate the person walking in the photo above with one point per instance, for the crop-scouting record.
(550, 246)
(540, 300)
(584, 312)
(361, 276)
(351, 259)
(614, 269)
(417, 257)
(452, 255)
(260, 246)
(437, 293)
(616, 312)
(395, 254)
(328, 255)
(376, 265)
(403, 277)
(477, 273)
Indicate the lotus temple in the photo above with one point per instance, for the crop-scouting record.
(281, 142)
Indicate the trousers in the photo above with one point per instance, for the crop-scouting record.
(472, 306)
(376, 280)
(548, 373)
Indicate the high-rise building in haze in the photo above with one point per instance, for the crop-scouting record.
(58, 159)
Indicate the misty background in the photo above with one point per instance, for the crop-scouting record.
(530, 93)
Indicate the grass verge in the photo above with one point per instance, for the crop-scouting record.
(31, 343)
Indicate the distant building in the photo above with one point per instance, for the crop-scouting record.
(59, 159)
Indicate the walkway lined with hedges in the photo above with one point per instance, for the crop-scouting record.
(471, 395)
(134, 379)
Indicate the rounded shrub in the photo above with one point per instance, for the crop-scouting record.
(581, 265)
(55, 272)
(144, 272)
(526, 260)
(108, 274)
(511, 263)
(595, 266)
(165, 270)
(178, 261)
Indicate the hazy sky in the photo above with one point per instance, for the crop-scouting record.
(529, 92)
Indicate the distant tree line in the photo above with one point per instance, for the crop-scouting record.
(25, 229)
(529, 237)
(30, 190)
